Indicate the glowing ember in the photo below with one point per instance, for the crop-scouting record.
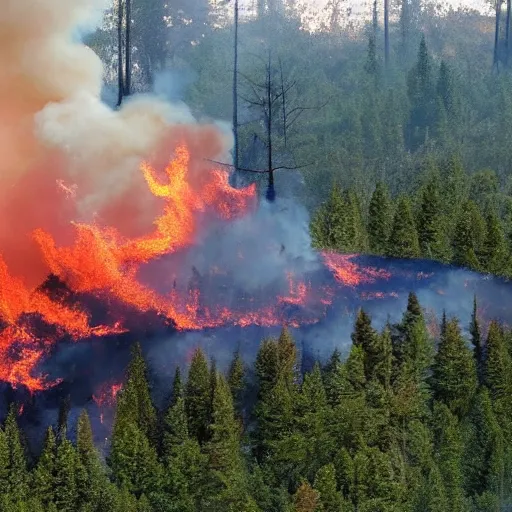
(348, 273)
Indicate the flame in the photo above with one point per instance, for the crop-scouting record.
(102, 262)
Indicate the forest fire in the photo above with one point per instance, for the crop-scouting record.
(103, 263)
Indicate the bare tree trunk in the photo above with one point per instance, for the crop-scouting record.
(375, 19)
(507, 36)
(404, 22)
(120, 81)
(128, 50)
(283, 99)
(270, 190)
(386, 32)
(497, 34)
(235, 93)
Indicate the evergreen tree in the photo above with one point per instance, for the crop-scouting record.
(236, 380)
(496, 254)
(484, 463)
(4, 460)
(329, 225)
(403, 241)
(140, 407)
(91, 478)
(454, 378)
(469, 236)
(227, 481)
(432, 235)
(330, 500)
(177, 386)
(498, 365)
(18, 476)
(421, 96)
(334, 378)
(197, 396)
(65, 485)
(449, 451)
(44, 473)
(476, 340)
(379, 219)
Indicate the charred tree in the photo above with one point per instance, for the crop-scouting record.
(235, 93)
(386, 33)
(497, 35)
(277, 113)
(128, 49)
(507, 32)
(120, 78)
(375, 20)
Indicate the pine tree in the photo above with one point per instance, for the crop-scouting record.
(334, 378)
(330, 500)
(18, 478)
(432, 235)
(44, 473)
(287, 356)
(403, 241)
(65, 485)
(449, 453)
(469, 236)
(379, 219)
(498, 365)
(140, 407)
(476, 340)
(484, 463)
(236, 380)
(356, 229)
(227, 481)
(454, 379)
(366, 337)
(496, 254)
(421, 96)
(197, 396)
(328, 227)
(91, 478)
(177, 386)
(4, 460)
(313, 418)
(175, 431)
(267, 366)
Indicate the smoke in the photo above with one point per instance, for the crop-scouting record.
(67, 156)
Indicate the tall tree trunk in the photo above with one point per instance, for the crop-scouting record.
(128, 50)
(386, 32)
(507, 36)
(497, 34)
(375, 19)
(404, 22)
(283, 100)
(270, 189)
(235, 93)
(120, 81)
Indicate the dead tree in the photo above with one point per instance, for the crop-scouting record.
(128, 50)
(497, 34)
(386, 33)
(124, 14)
(120, 78)
(507, 32)
(277, 110)
(235, 93)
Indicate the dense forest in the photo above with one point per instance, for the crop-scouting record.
(412, 420)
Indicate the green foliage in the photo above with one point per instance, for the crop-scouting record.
(454, 377)
(403, 241)
(379, 219)
(198, 396)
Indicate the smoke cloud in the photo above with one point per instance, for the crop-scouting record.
(66, 156)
